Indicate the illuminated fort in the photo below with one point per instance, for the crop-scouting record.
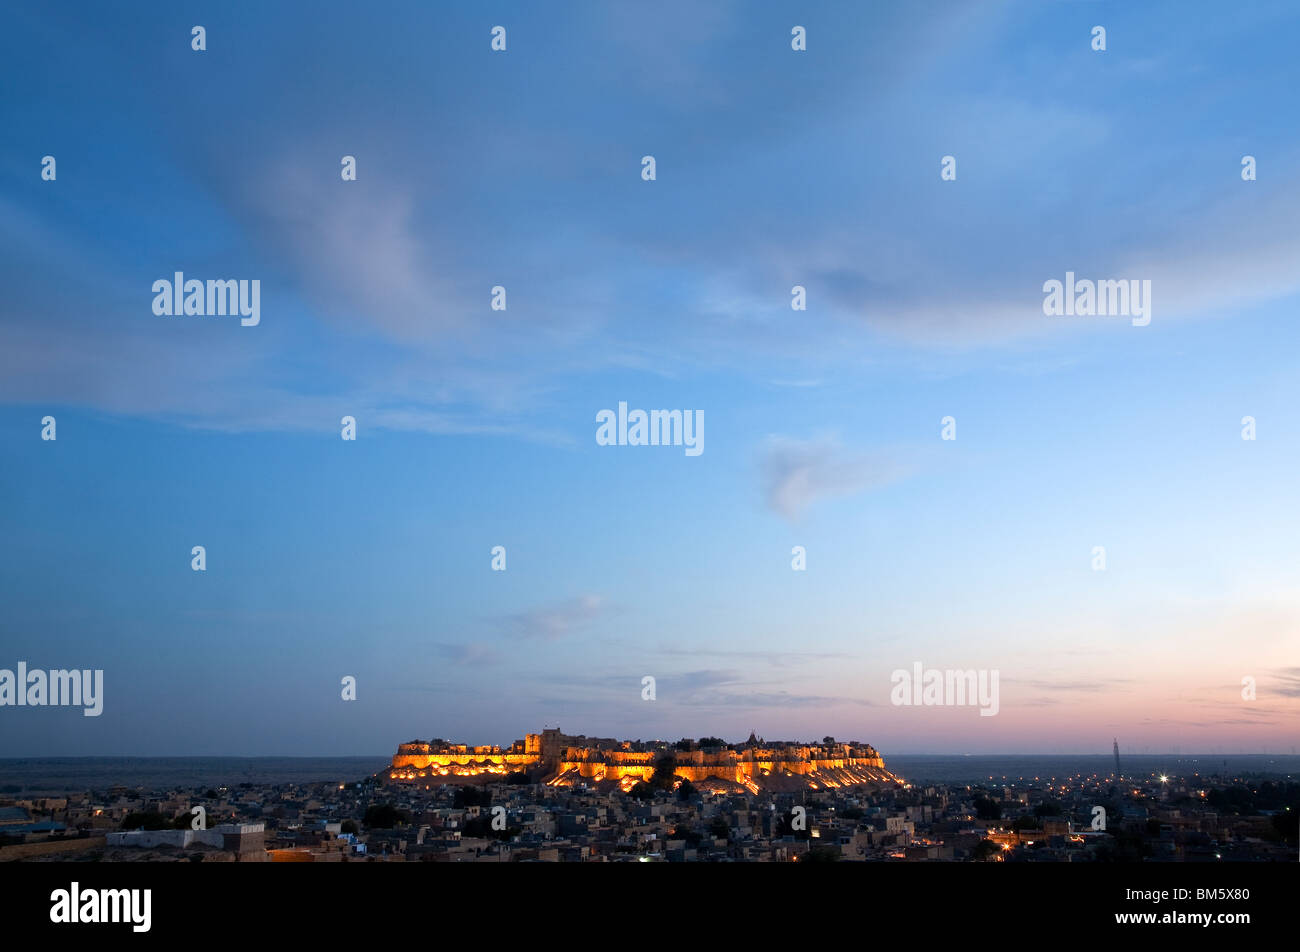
(558, 759)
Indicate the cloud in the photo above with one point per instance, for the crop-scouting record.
(356, 251)
(778, 658)
(403, 256)
(467, 654)
(728, 690)
(714, 689)
(1082, 686)
(668, 51)
(796, 474)
(1287, 681)
(554, 621)
(766, 699)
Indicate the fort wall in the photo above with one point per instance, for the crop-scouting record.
(749, 765)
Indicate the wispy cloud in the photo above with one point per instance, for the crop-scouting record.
(357, 252)
(798, 473)
(1089, 687)
(729, 690)
(467, 654)
(777, 658)
(554, 621)
(1287, 682)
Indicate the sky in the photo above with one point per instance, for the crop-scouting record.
(372, 559)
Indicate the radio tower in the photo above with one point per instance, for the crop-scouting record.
(1117, 774)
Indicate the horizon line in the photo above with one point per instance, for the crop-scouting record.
(882, 754)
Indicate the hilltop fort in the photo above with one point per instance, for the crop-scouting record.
(558, 759)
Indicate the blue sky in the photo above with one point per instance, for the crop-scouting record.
(822, 427)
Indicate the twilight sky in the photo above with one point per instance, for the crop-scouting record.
(476, 427)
